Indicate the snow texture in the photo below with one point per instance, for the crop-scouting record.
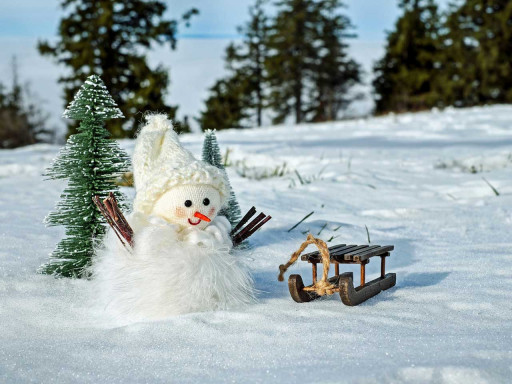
(448, 320)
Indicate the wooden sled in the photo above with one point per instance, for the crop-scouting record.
(344, 283)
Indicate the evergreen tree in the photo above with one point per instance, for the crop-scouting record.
(335, 72)
(308, 69)
(291, 57)
(111, 38)
(22, 122)
(212, 155)
(226, 105)
(247, 60)
(239, 99)
(404, 76)
(477, 53)
(90, 162)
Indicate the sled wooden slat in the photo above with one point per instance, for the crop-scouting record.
(362, 256)
(340, 252)
(377, 249)
(306, 256)
(340, 256)
(362, 250)
(343, 253)
(335, 250)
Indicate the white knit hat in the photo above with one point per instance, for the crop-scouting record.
(160, 162)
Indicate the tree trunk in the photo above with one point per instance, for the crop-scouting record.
(298, 99)
(259, 80)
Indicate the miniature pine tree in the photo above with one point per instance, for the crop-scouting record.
(90, 161)
(211, 155)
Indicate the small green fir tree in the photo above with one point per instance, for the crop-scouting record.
(90, 161)
(211, 155)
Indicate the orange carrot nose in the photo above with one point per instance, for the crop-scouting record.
(202, 217)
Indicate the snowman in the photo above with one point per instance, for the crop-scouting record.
(181, 260)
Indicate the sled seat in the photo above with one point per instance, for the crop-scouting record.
(347, 254)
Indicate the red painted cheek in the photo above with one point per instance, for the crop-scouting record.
(211, 211)
(180, 212)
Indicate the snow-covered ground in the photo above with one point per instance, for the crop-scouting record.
(408, 178)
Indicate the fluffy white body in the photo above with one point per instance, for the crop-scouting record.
(171, 270)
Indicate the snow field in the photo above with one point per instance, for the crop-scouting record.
(448, 320)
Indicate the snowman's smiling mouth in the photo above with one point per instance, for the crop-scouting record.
(200, 216)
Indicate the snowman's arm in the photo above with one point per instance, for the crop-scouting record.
(115, 218)
(241, 233)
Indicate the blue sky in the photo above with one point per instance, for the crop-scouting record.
(218, 18)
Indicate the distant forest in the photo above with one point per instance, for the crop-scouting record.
(291, 63)
(296, 63)
(461, 57)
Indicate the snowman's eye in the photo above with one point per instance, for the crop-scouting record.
(206, 201)
(188, 203)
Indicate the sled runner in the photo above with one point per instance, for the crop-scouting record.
(339, 283)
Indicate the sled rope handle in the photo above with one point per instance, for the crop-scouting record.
(322, 286)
